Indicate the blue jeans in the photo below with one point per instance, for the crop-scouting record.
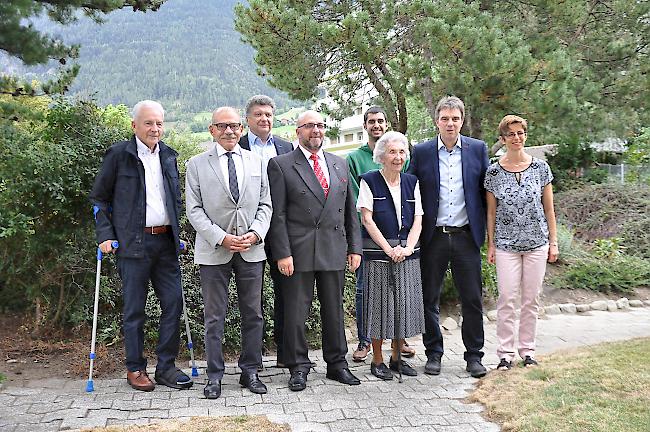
(361, 333)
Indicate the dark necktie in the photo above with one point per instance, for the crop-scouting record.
(319, 174)
(232, 177)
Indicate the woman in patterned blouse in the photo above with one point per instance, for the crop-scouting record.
(522, 236)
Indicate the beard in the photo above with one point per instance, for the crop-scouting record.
(312, 145)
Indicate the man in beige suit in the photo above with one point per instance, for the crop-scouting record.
(229, 205)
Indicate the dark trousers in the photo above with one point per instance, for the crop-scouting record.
(278, 309)
(214, 285)
(160, 266)
(278, 304)
(298, 295)
(461, 252)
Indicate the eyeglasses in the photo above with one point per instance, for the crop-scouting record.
(519, 134)
(319, 126)
(223, 126)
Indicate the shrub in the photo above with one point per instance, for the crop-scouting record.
(607, 211)
(620, 273)
(50, 156)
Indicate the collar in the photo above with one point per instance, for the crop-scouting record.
(442, 145)
(222, 151)
(142, 147)
(252, 139)
(307, 153)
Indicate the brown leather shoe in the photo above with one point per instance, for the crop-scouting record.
(139, 380)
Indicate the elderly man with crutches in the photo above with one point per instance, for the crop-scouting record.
(138, 195)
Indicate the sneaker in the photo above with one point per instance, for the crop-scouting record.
(529, 361)
(362, 352)
(504, 365)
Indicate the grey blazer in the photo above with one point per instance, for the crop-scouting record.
(317, 232)
(213, 213)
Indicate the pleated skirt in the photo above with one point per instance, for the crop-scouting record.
(381, 307)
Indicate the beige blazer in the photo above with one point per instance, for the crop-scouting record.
(213, 213)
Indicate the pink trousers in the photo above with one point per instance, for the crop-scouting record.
(519, 273)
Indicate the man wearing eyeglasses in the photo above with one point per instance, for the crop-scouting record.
(314, 233)
(259, 139)
(229, 206)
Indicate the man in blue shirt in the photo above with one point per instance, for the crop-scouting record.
(451, 169)
(259, 139)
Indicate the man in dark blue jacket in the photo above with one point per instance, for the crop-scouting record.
(138, 198)
(451, 169)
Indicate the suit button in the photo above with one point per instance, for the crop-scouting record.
(340, 210)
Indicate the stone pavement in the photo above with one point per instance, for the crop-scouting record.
(422, 403)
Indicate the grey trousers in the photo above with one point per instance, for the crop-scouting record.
(214, 285)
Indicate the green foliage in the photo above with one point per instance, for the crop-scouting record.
(568, 163)
(49, 162)
(609, 211)
(564, 66)
(608, 248)
(20, 38)
(123, 61)
(638, 152)
(622, 273)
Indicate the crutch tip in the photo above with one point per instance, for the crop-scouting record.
(195, 372)
(89, 386)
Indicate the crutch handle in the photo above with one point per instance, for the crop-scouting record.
(115, 244)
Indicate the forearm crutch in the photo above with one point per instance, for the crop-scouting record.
(190, 346)
(89, 385)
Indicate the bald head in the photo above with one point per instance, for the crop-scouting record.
(310, 129)
(226, 127)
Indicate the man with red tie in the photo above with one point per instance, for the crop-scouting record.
(314, 233)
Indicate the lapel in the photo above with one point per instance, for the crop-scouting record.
(213, 161)
(336, 175)
(436, 163)
(465, 160)
(304, 169)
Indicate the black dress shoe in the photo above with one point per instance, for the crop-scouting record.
(252, 382)
(476, 369)
(381, 371)
(343, 376)
(212, 390)
(406, 368)
(298, 380)
(433, 365)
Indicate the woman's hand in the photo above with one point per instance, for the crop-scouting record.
(491, 253)
(553, 252)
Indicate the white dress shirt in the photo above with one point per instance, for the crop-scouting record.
(321, 162)
(451, 206)
(237, 159)
(156, 213)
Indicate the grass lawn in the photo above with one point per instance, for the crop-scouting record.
(204, 424)
(2, 378)
(601, 388)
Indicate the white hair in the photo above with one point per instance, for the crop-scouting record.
(146, 104)
(387, 138)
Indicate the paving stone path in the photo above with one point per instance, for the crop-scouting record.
(422, 403)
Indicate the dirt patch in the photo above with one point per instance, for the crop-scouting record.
(202, 424)
(53, 353)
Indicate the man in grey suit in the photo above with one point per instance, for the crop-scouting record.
(229, 205)
(314, 232)
(259, 139)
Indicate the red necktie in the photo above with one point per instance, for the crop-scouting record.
(319, 174)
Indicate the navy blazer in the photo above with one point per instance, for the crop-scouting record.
(281, 146)
(119, 192)
(425, 166)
